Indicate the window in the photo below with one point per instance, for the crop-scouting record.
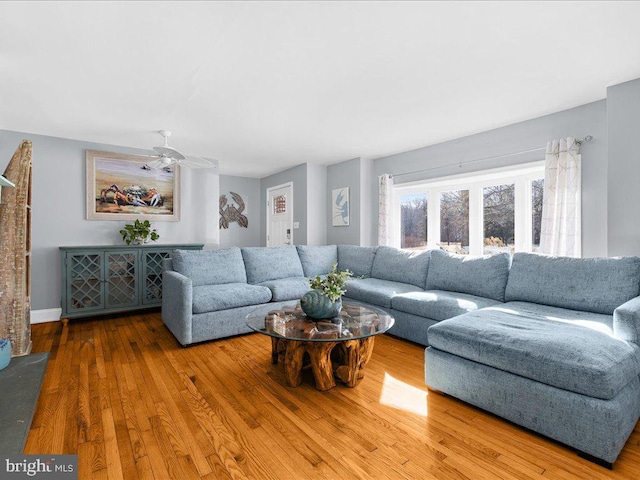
(537, 191)
(280, 204)
(454, 221)
(498, 212)
(482, 213)
(413, 210)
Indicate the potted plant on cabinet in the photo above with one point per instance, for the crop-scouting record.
(139, 233)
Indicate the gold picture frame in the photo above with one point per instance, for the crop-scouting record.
(123, 187)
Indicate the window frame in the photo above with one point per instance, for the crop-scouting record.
(520, 175)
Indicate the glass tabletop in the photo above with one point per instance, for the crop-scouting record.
(356, 320)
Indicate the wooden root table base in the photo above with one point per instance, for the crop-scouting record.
(344, 360)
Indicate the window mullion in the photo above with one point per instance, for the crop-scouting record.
(476, 227)
(522, 212)
(433, 218)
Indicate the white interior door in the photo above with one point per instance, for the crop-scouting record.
(280, 215)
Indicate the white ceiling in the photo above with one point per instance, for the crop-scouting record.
(262, 86)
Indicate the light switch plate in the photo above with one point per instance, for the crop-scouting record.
(296, 225)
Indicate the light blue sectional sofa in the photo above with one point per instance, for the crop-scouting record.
(549, 343)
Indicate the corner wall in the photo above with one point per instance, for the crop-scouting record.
(316, 204)
(623, 181)
(345, 174)
(249, 189)
(58, 215)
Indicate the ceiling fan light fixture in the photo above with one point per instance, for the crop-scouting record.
(168, 155)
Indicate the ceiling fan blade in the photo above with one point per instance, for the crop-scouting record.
(161, 162)
(166, 151)
(197, 162)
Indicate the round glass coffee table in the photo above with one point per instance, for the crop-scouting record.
(336, 348)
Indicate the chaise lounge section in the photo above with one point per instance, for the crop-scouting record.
(559, 357)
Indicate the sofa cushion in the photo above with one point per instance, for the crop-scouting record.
(271, 263)
(377, 292)
(591, 284)
(210, 267)
(357, 259)
(287, 288)
(563, 354)
(438, 304)
(406, 266)
(317, 260)
(213, 298)
(484, 276)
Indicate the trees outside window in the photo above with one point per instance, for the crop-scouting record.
(454, 221)
(413, 210)
(499, 218)
(537, 196)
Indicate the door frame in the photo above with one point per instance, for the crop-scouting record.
(269, 190)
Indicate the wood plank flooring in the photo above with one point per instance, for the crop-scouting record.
(122, 394)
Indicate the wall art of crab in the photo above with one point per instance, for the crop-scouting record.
(232, 211)
(340, 207)
(123, 187)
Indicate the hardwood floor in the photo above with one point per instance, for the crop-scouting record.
(122, 394)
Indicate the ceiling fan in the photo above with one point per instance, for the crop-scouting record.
(168, 156)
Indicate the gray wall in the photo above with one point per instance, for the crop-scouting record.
(297, 175)
(249, 189)
(623, 127)
(316, 204)
(345, 174)
(58, 215)
(368, 230)
(585, 120)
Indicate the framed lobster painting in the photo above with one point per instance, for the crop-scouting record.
(124, 187)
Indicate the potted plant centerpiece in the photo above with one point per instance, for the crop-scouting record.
(139, 233)
(324, 300)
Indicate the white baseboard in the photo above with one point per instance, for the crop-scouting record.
(46, 315)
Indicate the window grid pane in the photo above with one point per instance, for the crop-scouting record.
(537, 196)
(499, 218)
(413, 221)
(454, 221)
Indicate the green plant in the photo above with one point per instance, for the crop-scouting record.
(333, 284)
(139, 232)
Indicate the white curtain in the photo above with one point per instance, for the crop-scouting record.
(560, 232)
(385, 185)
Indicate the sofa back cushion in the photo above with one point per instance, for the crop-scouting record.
(210, 267)
(357, 259)
(596, 285)
(271, 263)
(404, 266)
(317, 260)
(483, 276)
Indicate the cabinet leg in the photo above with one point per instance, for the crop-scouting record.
(64, 321)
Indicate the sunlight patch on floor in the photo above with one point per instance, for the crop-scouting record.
(402, 396)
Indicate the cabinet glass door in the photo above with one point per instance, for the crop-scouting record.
(85, 290)
(152, 276)
(121, 278)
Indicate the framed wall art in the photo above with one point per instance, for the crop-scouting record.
(340, 207)
(123, 187)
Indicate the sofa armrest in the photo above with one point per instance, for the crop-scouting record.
(626, 321)
(177, 305)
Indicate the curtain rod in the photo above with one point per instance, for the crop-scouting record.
(586, 139)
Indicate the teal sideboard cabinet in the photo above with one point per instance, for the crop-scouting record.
(114, 278)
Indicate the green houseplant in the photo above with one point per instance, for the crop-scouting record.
(139, 233)
(324, 300)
